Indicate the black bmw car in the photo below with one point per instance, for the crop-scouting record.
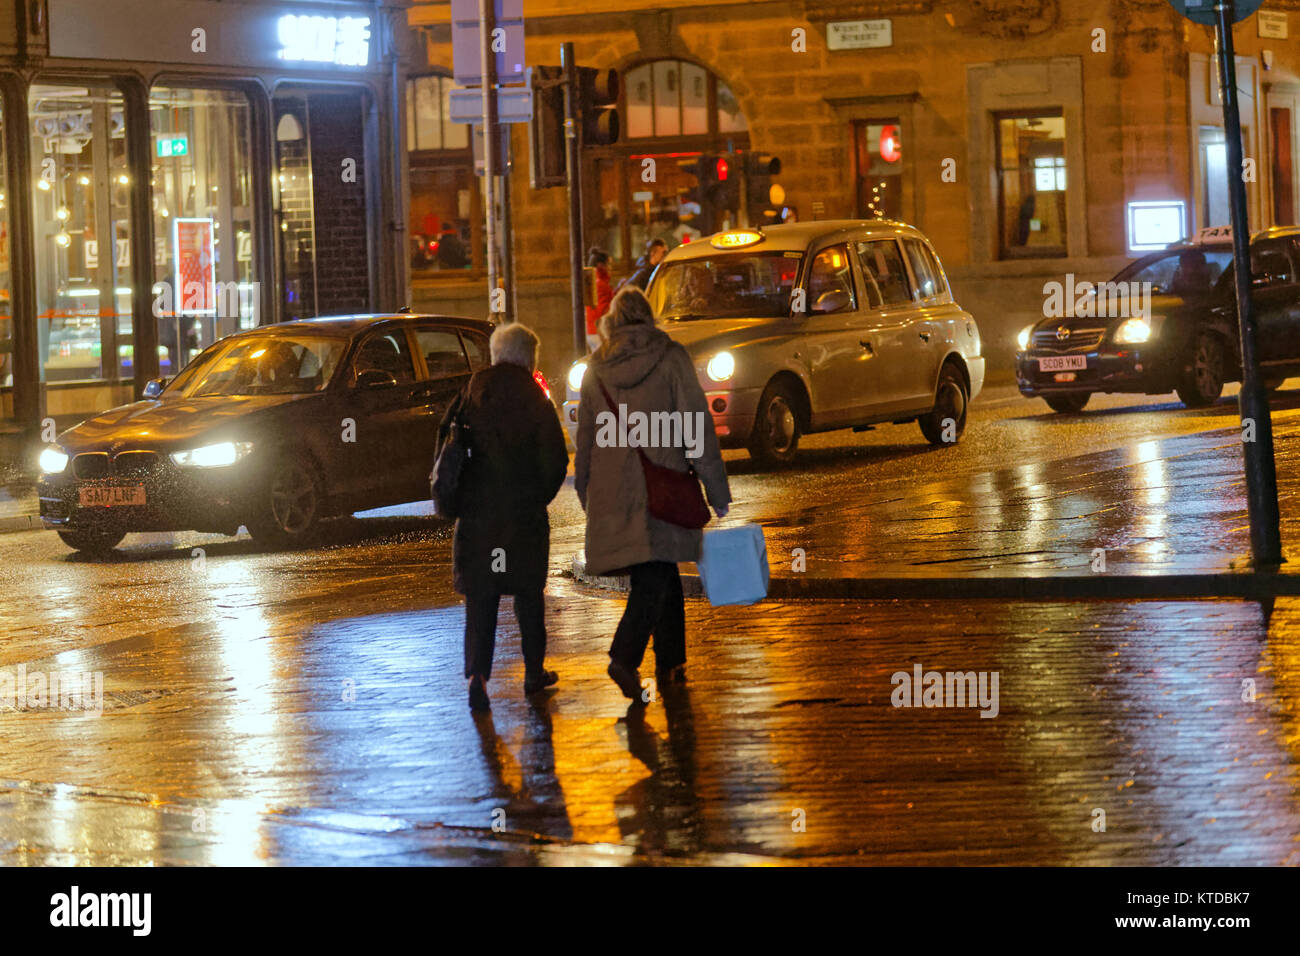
(1167, 322)
(274, 429)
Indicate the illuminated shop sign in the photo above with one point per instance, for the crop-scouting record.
(343, 41)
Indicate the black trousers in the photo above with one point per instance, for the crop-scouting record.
(481, 631)
(655, 606)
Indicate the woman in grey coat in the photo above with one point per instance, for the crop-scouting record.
(645, 371)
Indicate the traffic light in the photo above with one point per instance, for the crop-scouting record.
(726, 175)
(546, 130)
(764, 196)
(597, 99)
(703, 195)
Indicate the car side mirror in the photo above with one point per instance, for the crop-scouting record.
(832, 301)
(154, 387)
(376, 378)
(1267, 278)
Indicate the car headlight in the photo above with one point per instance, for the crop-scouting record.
(576, 375)
(721, 367)
(213, 456)
(1133, 332)
(1022, 340)
(53, 460)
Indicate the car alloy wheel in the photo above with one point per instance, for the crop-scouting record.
(776, 429)
(1204, 382)
(294, 500)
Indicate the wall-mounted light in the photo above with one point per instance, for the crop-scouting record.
(62, 239)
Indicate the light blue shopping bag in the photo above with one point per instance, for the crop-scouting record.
(733, 565)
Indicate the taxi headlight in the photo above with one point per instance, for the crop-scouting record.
(1133, 332)
(576, 375)
(721, 367)
(53, 460)
(1022, 340)
(213, 456)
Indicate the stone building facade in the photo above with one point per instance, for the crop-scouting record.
(1023, 136)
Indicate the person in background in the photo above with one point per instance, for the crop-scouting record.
(598, 259)
(502, 541)
(655, 250)
(638, 365)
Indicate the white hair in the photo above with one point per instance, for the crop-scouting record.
(514, 344)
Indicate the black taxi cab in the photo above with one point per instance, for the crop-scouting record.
(815, 326)
(1166, 322)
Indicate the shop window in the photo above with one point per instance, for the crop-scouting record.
(81, 187)
(442, 180)
(1032, 185)
(204, 282)
(671, 98)
(878, 155)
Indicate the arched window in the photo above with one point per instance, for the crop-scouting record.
(678, 98)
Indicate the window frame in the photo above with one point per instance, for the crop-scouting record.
(1004, 252)
(867, 275)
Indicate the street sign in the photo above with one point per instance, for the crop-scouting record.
(514, 105)
(467, 44)
(1202, 11)
(503, 149)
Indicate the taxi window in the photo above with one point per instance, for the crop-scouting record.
(389, 352)
(1185, 272)
(442, 352)
(882, 266)
(754, 285)
(929, 280)
(830, 283)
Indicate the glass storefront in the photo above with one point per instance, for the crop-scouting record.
(80, 187)
(443, 192)
(1032, 185)
(878, 154)
(205, 286)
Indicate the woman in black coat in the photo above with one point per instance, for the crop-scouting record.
(517, 464)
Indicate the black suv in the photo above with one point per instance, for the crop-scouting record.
(1178, 334)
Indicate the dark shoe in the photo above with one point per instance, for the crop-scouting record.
(671, 675)
(478, 698)
(628, 680)
(539, 681)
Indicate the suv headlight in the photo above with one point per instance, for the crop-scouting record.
(53, 460)
(1022, 340)
(1133, 332)
(577, 372)
(721, 367)
(213, 456)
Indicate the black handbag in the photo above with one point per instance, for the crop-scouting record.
(446, 481)
(671, 495)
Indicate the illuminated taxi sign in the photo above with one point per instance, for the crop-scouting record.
(736, 239)
(343, 41)
(1212, 234)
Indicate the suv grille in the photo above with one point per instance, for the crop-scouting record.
(91, 465)
(136, 463)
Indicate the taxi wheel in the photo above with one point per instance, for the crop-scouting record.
(1203, 382)
(1067, 402)
(290, 505)
(98, 543)
(775, 438)
(946, 422)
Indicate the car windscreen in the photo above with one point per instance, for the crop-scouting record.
(757, 285)
(262, 365)
(1185, 272)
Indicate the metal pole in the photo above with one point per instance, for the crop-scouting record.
(573, 172)
(508, 235)
(487, 23)
(1261, 475)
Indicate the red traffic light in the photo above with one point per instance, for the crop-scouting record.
(721, 169)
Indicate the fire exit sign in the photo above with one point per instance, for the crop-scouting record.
(178, 145)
